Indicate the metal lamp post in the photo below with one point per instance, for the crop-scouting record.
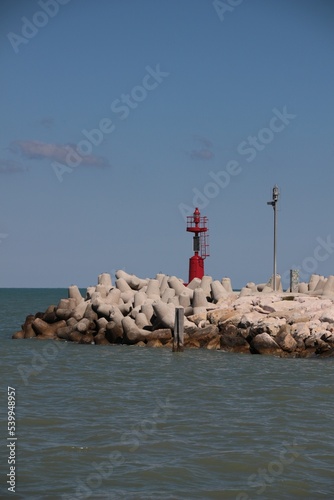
(273, 203)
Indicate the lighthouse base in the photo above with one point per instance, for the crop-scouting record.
(196, 267)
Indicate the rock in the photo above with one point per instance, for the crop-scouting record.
(164, 335)
(75, 336)
(198, 318)
(271, 325)
(45, 330)
(314, 341)
(18, 335)
(327, 316)
(329, 338)
(100, 339)
(285, 340)
(50, 315)
(64, 332)
(300, 331)
(219, 315)
(191, 343)
(27, 328)
(265, 344)
(204, 335)
(213, 344)
(250, 319)
(328, 353)
(232, 340)
(29, 332)
(114, 331)
(154, 343)
(87, 338)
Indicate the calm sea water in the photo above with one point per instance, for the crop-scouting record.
(132, 423)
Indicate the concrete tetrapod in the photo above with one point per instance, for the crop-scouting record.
(74, 293)
(199, 301)
(218, 291)
(133, 281)
(105, 280)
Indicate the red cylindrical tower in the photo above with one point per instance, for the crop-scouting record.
(198, 225)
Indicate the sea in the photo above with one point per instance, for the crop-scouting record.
(137, 423)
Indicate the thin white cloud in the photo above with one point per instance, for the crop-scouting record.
(11, 167)
(203, 153)
(43, 151)
(47, 122)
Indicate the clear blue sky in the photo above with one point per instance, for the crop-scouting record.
(184, 90)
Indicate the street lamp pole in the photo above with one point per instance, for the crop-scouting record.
(273, 203)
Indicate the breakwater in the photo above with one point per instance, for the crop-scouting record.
(141, 312)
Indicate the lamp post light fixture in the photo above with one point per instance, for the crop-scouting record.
(273, 203)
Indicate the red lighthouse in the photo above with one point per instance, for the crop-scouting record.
(198, 225)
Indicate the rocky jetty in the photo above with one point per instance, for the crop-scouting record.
(141, 312)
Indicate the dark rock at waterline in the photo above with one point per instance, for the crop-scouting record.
(234, 341)
(286, 341)
(328, 353)
(263, 343)
(50, 315)
(100, 339)
(46, 330)
(18, 335)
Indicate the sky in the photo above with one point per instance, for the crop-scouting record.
(119, 117)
